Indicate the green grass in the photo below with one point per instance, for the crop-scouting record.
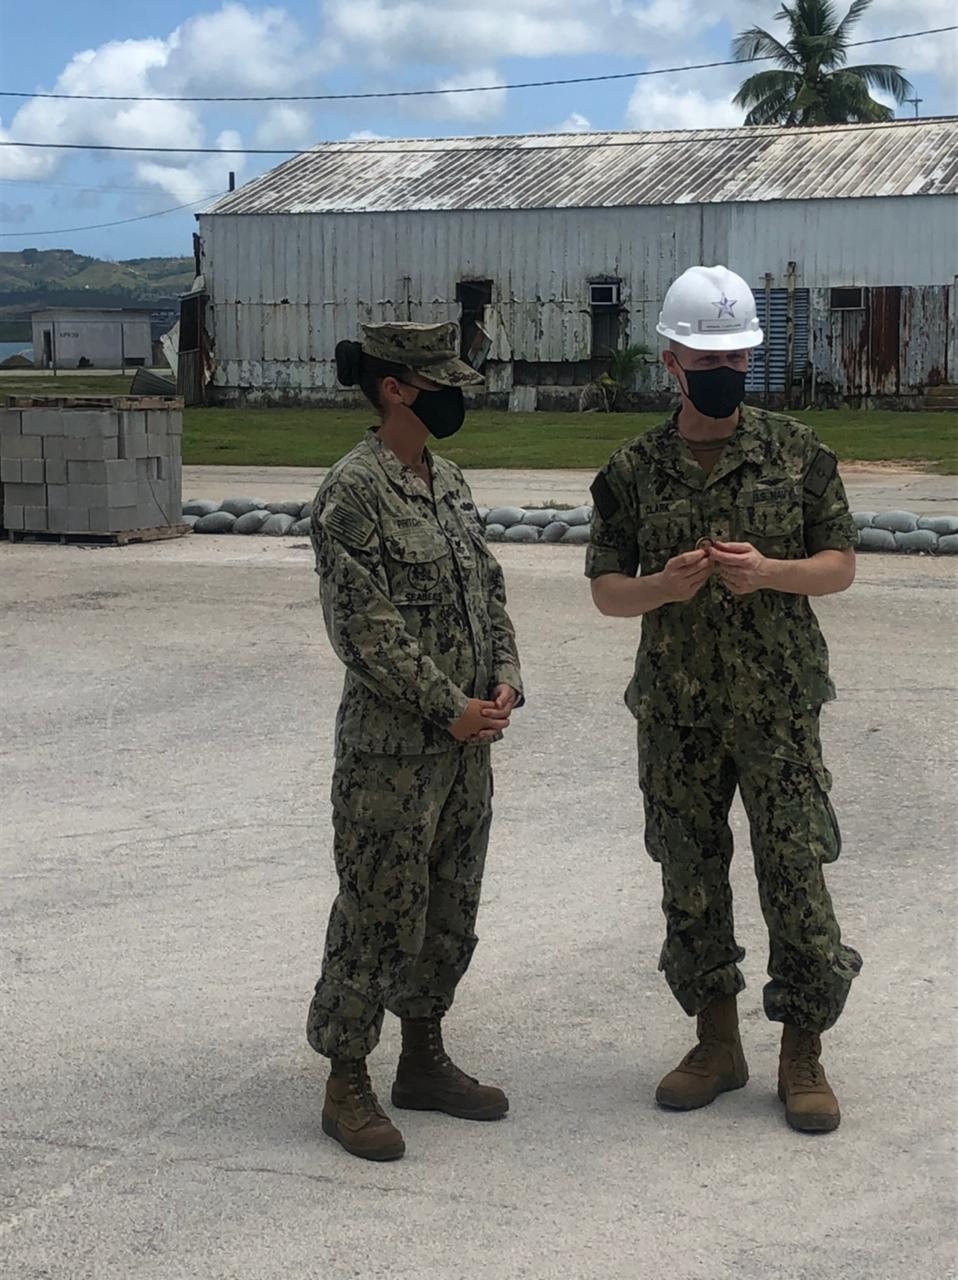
(317, 437)
(303, 437)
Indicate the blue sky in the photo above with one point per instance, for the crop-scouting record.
(304, 46)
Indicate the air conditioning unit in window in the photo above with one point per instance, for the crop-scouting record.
(604, 294)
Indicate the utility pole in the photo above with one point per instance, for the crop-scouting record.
(915, 101)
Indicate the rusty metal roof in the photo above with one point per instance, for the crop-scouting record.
(605, 170)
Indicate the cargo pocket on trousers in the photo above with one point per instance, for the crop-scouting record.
(824, 830)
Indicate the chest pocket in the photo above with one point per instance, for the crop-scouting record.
(418, 565)
(772, 520)
(665, 530)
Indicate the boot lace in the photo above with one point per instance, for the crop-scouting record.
(806, 1069)
(437, 1049)
(361, 1087)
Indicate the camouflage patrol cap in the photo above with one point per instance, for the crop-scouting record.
(431, 350)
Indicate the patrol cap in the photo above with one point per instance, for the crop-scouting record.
(431, 350)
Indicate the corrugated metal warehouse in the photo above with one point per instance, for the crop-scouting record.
(562, 246)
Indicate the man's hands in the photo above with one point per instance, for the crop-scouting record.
(740, 566)
(684, 575)
(483, 718)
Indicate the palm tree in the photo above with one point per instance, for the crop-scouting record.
(626, 364)
(812, 84)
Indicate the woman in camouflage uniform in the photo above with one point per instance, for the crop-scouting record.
(414, 606)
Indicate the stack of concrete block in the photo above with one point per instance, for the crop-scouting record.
(101, 466)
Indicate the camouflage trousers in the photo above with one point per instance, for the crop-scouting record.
(410, 844)
(688, 775)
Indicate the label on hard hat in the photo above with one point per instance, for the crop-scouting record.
(719, 326)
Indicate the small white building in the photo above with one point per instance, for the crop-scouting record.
(562, 246)
(85, 337)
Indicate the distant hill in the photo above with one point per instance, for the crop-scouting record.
(36, 278)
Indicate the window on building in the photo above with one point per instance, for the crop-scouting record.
(473, 297)
(606, 311)
(848, 299)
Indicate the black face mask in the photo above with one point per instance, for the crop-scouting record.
(716, 393)
(441, 412)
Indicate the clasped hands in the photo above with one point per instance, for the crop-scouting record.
(483, 719)
(740, 566)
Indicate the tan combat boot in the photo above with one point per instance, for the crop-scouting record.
(428, 1080)
(716, 1064)
(352, 1114)
(810, 1105)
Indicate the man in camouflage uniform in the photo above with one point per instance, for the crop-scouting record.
(732, 517)
(415, 607)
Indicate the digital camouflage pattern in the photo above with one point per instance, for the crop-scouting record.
(774, 486)
(431, 350)
(688, 777)
(410, 844)
(414, 602)
(415, 607)
(727, 691)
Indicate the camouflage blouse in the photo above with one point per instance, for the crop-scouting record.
(774, 486)
(414, 602)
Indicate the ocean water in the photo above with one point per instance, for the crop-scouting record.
(11, 349)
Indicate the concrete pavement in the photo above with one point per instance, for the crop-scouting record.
(167, 714)
(883, 488)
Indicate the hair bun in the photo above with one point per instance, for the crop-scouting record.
(349, 363)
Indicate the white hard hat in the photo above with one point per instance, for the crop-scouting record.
(710, 309)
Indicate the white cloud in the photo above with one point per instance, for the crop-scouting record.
(231, 50)
(668, 104)
(488, 104)
(197, 177)
(937, 55)
(285, 125)
(366, 135)
(425, 30)
(574, 123)
(236, 50)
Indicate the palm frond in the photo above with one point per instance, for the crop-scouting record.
(814, 17)
(767, 84)
(856, 12)
(847, 98)
(882, 76)
(775, 108)
(757, 43)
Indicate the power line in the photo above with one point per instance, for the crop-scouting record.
(97, 226)
(372, 147)
(432, 93)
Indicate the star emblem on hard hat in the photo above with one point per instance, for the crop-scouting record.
(725, 307)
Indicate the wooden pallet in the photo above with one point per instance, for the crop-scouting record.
(121, 539)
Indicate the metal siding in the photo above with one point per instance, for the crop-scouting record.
(898, 345)
(908, 241)
(924, 338)
(884, 341)
(284, 289)
(775, 347)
